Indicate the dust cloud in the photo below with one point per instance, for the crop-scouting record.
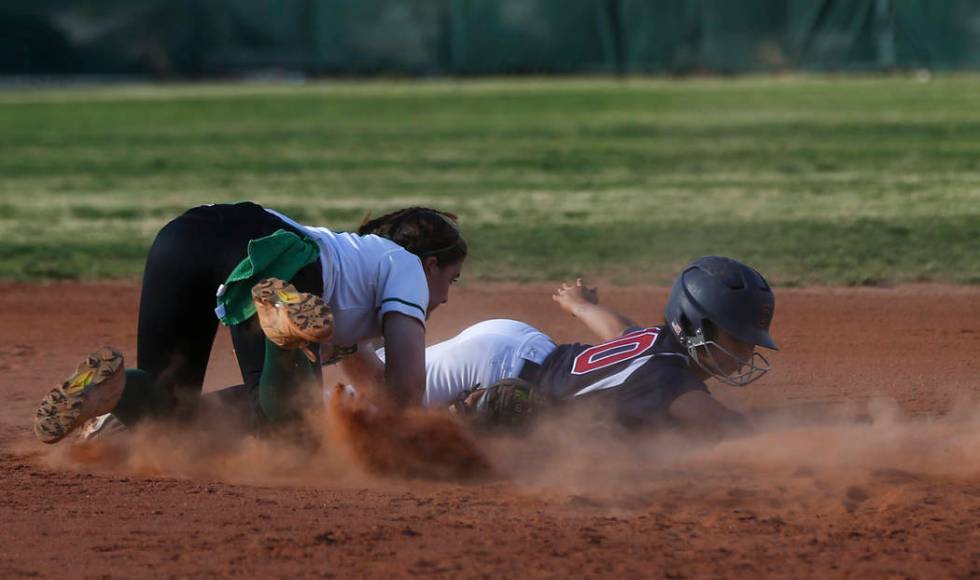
(828, 450)
(351, 442)
(841, 454)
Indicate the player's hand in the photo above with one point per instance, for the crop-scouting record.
(573, 296)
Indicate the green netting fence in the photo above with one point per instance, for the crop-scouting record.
(479, 37)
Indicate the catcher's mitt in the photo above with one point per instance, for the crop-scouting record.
(507, 404)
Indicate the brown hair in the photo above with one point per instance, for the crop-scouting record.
(422, 231)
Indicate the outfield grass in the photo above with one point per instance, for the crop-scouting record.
(812, 180)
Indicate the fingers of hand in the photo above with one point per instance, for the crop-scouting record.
(579, 283)
(562, 290)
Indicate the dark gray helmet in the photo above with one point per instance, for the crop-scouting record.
(729, 295)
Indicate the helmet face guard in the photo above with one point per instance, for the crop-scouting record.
(702, 351)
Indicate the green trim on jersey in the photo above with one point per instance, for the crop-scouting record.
(406, 303)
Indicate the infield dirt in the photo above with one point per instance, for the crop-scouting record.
(868, 463)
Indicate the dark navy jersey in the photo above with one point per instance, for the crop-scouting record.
(638, 375)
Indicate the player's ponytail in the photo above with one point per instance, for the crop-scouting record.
(422, 231)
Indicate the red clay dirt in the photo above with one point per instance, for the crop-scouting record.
(867, 463)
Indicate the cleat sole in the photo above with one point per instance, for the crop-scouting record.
(92, 390)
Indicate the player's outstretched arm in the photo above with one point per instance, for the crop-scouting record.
(404, 359)
(400, 378)
(582, 302)
(700, 413)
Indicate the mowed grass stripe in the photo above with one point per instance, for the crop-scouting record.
(813, 180)
(801, 252)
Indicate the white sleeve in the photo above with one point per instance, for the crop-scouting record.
(403, 286)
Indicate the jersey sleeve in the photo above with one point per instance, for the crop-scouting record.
(403, 287)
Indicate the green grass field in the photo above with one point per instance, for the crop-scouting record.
(812, 180)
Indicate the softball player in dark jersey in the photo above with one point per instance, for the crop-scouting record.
(718, 312)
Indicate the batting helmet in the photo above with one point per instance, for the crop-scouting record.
(729, 295)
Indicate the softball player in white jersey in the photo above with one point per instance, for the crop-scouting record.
(383, 281)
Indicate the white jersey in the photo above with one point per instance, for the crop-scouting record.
(483, 354)
(364, 278)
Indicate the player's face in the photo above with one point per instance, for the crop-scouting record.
(440, 278)
(742, 351)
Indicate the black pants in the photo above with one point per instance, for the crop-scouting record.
(191, 256)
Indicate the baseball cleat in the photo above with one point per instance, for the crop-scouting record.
(93, 390)
(289, 318)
